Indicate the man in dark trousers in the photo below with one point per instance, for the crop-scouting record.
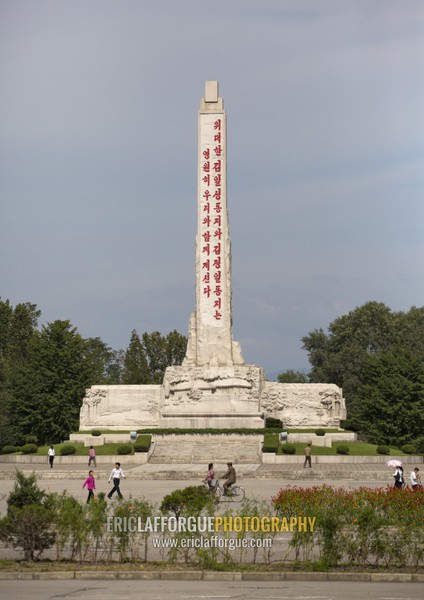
(308, 452)
(116, 475)
(230, 476)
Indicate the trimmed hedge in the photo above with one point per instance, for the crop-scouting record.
(349, 425)
(29, 449)
(96, 432)
(342, 449)
(211, 431)
(383, 449)
(143, 443)
(273, 423)
(271, 442)
(408, 449)
(288, 449)
(320, 432)
(8, 449)
(67, 450)
(124, 449)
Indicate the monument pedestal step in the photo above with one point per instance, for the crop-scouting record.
(203, 449)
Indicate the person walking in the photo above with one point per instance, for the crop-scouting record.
(399, 480)
(308, 453)
(90, 482)
(415, 480)
(92, 456)
(51, 455)
(116, 474)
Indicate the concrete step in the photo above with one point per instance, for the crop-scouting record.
(204, 450)
(183, 471)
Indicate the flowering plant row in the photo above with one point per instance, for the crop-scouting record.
(365, 526)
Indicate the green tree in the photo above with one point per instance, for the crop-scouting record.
(390, 401)
(28, 528)
(17, 327)
(292, 377)
(162, 352)
(107, 363)
(49, 387)
(339, 356)
(353, 355)
(147, 358)
(25, 491)
(136, 369)
(27, 524)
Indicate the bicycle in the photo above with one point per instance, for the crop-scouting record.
(235, 493)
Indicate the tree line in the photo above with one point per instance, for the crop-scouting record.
(375, 354)
(377, 357)
(44, 372)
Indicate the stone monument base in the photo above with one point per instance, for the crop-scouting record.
(212, 397)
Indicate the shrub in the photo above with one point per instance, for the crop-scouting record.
(143, 443)
(383, 449)
(349, 425)
(288, 449)
(67, 450)
(272, 422)
(124, 449)
(342, 449)
(29, 449)
(408, 449)
(96, 432)
(419, 444)
(271, 442)
(25, 491)
(192, 501)
(206, 431)
(320, 432)
(28, 528)
(8, 449)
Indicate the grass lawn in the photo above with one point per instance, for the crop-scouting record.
(356, 449)
(106, 449)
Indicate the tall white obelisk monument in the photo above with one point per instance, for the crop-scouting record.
(213, 387)
(210, 335)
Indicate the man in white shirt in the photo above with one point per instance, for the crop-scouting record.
(116, 475)
(51, 454)
(415, 479)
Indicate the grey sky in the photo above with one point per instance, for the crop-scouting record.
(98, 150)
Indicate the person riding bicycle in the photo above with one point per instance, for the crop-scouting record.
(209, 476)
(229, 476)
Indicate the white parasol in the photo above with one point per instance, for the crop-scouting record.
(394, 463)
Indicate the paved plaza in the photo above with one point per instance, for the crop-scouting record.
(153, 482)
(215, 588)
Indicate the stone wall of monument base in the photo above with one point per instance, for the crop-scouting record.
(100, 440)
(211, 421)
(321, 440)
